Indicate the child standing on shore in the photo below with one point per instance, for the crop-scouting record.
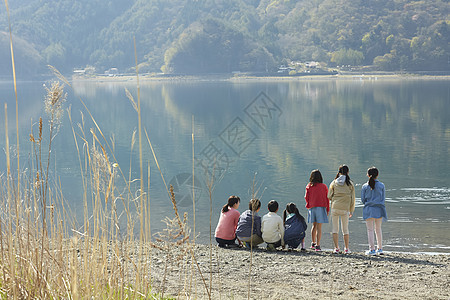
(249, 224)
(374, 211)
(294, 227)
(272, 227)
(225, 233)
(342, 197)
(318, 207)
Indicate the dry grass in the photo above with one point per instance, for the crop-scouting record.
(40, 257)
(46, 254)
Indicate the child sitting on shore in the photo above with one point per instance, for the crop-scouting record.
(294, 227)
(226, 228)
(247, 233)
(272, 227)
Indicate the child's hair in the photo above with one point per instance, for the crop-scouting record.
(316, 177)
(343, 170)
(292, 208)
(232, 200)
(373, 173)
(272, 206)
(254, 204)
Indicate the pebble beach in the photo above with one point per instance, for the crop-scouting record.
(300, 275)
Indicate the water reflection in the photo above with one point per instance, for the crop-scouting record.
(401, 126)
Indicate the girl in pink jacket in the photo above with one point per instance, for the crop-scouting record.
(226, 228)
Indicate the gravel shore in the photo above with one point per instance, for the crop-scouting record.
(300, 275)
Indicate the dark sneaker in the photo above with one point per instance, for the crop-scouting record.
(271, 247)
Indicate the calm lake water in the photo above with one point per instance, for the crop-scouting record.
(266, 137)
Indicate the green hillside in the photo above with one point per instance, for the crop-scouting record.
(221, 36)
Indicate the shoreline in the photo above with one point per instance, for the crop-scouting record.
(143, 78)
(146, 78)
(262, 248)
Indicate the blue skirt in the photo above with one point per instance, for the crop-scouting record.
(318, 215)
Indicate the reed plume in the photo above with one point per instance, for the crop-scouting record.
(54, 101)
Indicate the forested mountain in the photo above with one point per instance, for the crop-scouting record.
(220, 36)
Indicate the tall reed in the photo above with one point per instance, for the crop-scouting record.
(45, 252)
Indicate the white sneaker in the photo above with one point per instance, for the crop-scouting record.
(371, 252)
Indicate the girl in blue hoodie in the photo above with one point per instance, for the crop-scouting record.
(294, 227)
(374, 211)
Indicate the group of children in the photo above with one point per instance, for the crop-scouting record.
(249, 229)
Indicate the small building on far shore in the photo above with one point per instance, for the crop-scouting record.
(285, 70)
(112, 72)
(312, 65)
(86, 71)
(79, 72)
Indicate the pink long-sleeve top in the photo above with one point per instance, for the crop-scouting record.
(226, 228)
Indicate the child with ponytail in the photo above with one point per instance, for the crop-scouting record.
(342, 198)
(374, 211)
(226, 228)
(294, 227)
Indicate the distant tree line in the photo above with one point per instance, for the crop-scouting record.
(210, 36)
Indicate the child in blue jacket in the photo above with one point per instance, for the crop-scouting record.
(294, 227)
(374, 211)
(249, 225)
